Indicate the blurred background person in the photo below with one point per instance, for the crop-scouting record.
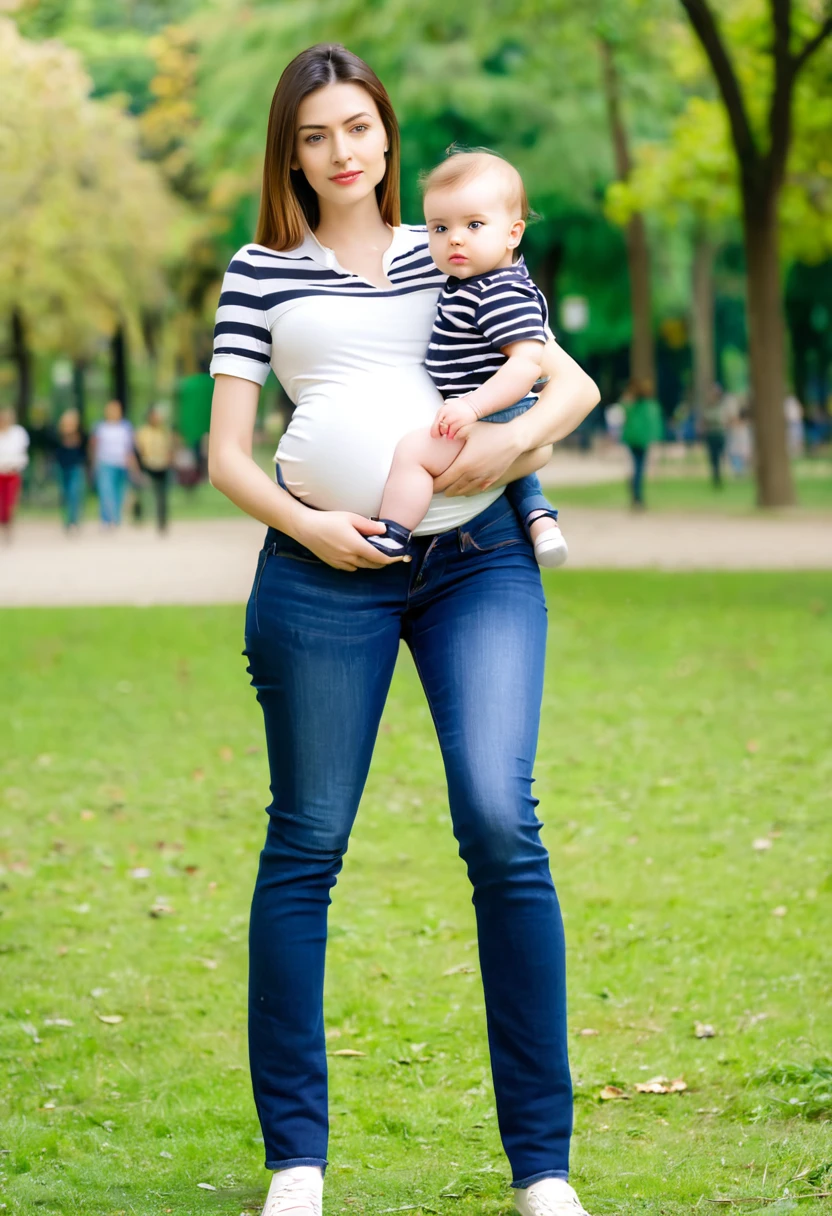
(14, 456)
(185, 463)
(713, 432)
(642, 426)
(795, 427)
(154, 446)
(111, 447)
(70, 450)
(740, 442)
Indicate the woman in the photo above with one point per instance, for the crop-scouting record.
(111, 446)
(642, 426)
(14, 456)
(154, 445)
(71, 443)
(338, 297)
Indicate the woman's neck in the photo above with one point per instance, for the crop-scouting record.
(357, 225)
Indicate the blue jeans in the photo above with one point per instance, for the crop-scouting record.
(639, 455)
(526, 494)
(111, 481)
(73, 483)
(322, 645)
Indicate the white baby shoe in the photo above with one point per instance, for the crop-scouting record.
(295, 1192)
(549, 1197)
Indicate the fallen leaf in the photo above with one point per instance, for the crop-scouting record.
(210, 963)
(780, 910)
(633, 839)
(761, 844)
(88, 815)
(661, 1085)
(191, 869)
(48, 1106)
(349, 1051)
(168, 1155)
(462, 969)
(611, 1091)
(252, 751)
(111, 1019)
(58, 1022)
(161, 908)
(226, 753)
(206, 1186)
(703, 1030)
(141, 872)
(588, 1032)
(333, 1033)
(62, 950)
(752, 746)
(97, 993)
(198, 774)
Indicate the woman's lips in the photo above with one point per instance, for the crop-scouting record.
(345, 179)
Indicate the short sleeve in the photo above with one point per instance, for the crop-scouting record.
(242, 338)
(511, 312)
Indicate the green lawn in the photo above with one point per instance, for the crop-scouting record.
(674, 488)
(686, 717)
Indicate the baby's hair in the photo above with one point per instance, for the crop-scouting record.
(463, 164)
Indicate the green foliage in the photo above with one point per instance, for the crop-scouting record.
(85, 223)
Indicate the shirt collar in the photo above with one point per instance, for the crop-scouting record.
(452, 282)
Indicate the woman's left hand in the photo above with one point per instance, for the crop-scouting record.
(489, 451)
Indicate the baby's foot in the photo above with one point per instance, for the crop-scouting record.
(550, 547)
(393, 542)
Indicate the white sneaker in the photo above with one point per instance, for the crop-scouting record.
(549, 1197)
(550, 548)
(295, 1192)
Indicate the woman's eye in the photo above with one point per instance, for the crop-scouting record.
(360, 127)
(312, 138)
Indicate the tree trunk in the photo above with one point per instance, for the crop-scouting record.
(79, 388)
(23, 360)
(642, 350)
(766, 340)
(118, 369)
(702, 320)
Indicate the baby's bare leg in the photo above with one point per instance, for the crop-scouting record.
(409, 489)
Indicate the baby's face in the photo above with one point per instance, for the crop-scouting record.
(470, 227)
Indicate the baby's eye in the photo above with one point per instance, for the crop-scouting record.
(475, 224)
(440, 228)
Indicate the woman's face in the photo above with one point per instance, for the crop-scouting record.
(340, 143)
(112, 411)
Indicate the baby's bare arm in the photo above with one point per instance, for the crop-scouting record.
(510, 383)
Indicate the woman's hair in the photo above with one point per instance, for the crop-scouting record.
(288, 204)
(461, 165)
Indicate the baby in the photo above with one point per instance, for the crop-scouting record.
(486, 346)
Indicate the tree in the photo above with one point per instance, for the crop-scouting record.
(85, 224)
(762, 170)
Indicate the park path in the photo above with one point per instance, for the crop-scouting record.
(212, 561)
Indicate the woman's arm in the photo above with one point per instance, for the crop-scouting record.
(496, 453)
(337, 537)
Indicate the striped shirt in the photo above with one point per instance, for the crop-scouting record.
(478, 316)
(350, 356)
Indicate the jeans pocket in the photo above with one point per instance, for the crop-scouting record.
(501, 533)
(262, 558)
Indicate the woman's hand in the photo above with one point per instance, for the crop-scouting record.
(490, 450)
(337, 538)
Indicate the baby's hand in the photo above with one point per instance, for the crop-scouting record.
(451, 416)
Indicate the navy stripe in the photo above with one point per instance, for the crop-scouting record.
(247, 331)
(245, 354)
(475, 318)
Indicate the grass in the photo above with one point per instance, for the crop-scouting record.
(685, 718)
(674, 488)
